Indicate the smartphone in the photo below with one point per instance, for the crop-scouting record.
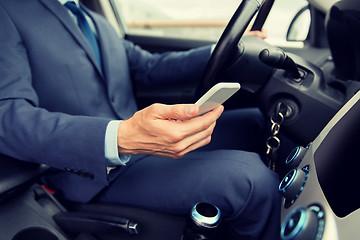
(216, 96)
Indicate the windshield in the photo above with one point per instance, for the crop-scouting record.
(200, 19)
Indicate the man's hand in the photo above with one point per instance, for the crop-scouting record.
(261, 34)
(167, 130)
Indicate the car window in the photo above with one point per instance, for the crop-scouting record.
(201, 19)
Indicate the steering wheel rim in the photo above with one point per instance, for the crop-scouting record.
(227, 43)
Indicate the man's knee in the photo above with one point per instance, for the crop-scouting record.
(258, 212)
(263, 202)
(245, 182)
(265, 185)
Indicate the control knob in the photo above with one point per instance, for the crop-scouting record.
(295, 157)
(292, 184)
(304, 224)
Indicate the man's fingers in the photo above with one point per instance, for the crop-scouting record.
(183, 129)
(191, 142)
(203, 122)
(154, 131)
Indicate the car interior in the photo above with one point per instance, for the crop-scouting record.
(315, 88)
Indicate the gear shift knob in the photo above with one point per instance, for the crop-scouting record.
(202, 222)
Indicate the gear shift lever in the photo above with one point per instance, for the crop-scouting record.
(278, 59)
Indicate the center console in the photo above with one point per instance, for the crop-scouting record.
(320, 199)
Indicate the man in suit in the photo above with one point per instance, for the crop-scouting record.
(62, 102)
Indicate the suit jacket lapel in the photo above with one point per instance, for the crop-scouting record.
(100, 42)
(102, 45)
(60, 12)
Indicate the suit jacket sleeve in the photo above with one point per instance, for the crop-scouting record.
(150, 69)
(72, 141)
(30, 133)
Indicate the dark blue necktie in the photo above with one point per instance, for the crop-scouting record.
(85, 28)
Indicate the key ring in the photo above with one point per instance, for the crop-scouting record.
(272, 143)
(275, 129)
(277, 118)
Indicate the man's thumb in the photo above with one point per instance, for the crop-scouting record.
(191, 110)
(184, 111)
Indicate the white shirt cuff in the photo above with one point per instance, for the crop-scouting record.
(112, 156)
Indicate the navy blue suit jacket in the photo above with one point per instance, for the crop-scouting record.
(55, 103)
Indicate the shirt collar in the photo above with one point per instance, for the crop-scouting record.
(65, 1)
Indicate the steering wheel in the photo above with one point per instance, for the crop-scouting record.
(227, 44)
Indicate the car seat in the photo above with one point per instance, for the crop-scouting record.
(30, 211)
(342, 25)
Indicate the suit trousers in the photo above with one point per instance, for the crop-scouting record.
(227, 173)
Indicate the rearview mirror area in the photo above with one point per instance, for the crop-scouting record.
(300, 25)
